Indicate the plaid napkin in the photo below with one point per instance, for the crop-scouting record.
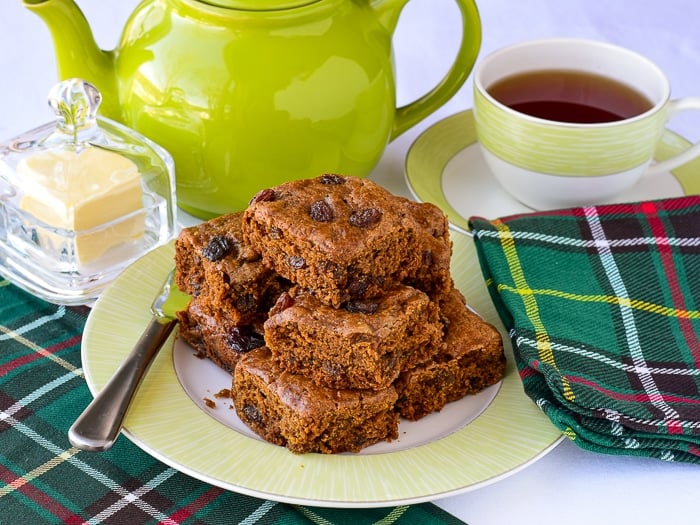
(44, 480)
(603, 308)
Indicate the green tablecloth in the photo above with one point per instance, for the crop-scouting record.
(44, 480)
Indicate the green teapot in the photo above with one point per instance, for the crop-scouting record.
(247, 94)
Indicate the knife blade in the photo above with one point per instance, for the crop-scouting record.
(98, 427)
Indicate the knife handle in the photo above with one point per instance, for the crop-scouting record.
(98, 427)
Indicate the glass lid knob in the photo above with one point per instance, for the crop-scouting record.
(75, 103)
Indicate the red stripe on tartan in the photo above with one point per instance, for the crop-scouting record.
(528, 372)
(694, 450)
(631, 208)
(680, 203)
(39, 497)
(187, 511)
(622, 208)
(640, 397)
(676, 203)
(71, 341)
(657, 227)
(29, 358)
(674, 427)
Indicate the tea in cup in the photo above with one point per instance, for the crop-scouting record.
(571, 122)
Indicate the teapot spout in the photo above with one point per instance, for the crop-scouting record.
(77, 53)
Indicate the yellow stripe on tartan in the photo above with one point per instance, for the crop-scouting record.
(313, 517)
(39, 350)
(37, 472)
(637, 304)
(544, 344)
(393, 516)
(570, 433)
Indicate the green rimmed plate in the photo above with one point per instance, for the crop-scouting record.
(470, 443)
(444, 166)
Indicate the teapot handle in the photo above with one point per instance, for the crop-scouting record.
(411, 114)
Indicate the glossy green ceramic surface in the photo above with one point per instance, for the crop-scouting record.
(249, 98)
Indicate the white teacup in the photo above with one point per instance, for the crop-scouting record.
(548, 163)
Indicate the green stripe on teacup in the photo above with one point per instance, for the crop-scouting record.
(561, 149)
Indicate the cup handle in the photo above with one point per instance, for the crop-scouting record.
(674, 108)
(410, 114)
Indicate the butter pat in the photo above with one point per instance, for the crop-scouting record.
(86, 192)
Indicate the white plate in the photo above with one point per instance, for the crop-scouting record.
(445, 166)
(472, 442)
(203, 380)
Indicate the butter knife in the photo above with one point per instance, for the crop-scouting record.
(98, 427)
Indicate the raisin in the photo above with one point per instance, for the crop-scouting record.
(275, 233)
(359, 286)
(360, 440)
(267, 195)
(296, 262)
(252, 414)
(321, 211)
(243, 339)
(361, 307)
(284, 301)
(365, 218)
(358, 338)
(217, 248)
(334, 370)
(332, 179)
(245, 303)
(329, 267)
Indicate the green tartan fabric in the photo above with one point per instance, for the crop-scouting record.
(602, 306)
(44, 480)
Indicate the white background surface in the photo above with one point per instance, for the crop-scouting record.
(568, 485)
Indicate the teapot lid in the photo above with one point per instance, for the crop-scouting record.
(260, 5)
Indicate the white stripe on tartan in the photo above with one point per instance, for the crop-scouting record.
(134, 498)
(614, 415)
(587, 243)
(254, 517)
(632, 336)
(620, 418)
(559, 347)
(687, 425)
(60, 312)
(667, 455)
(36, 394)
(127, 496)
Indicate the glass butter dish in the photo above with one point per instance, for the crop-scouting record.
(80, 199)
